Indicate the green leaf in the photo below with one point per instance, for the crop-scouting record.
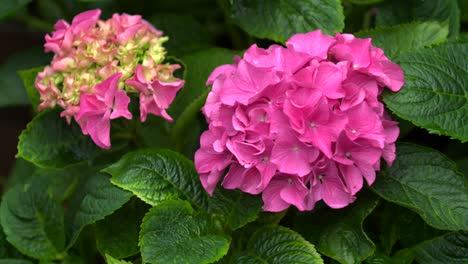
(339, 234)
(95, 199)
(403, 11)
(185, 132)
(439, 10)
(127, 221)
(28, 77)
(279, 19)
(277, 245)
(365, 2)
(463, 6)
(111, 260)
(158, 175)
(59, 183)
(396, 39)
(173, 233)
(401, 226)
(426, 182)
(9, 6)
(49, 141)
(199, 66)
(11, 88)
(185, 33)
(15, 261)
(451, 248)
(235, 208)
(33, 222)
(20, 172)
(435, 94)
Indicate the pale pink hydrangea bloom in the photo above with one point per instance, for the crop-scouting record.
(97, 63)
(301, 123)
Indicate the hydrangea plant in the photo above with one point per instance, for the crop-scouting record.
(266, 131)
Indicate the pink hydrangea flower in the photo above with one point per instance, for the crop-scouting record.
(301, 123)
(97, 62)
(96, 110)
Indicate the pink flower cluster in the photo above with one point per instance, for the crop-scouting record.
(300, 124)
(98, 63)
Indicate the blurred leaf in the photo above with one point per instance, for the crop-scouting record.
(396, 39)
(234, 207)
(426, 182)
(33, 222)
(158, 175)
(48, 141)
(28, 77)
(402, 11)
(463, 6)
(440, 10)
(185, 33)
(279, 19)
(199, 66)
(95, 199)
(21, 172)
(173, 233)
(11, 88)
(185, 108)
(434, 94)
(339, 234)
(277, 245)
(365, 2)
(51, 10)
(127, 221)
(111, 260)
(15, 261)
(403, 226)
(9, 6)
(450, 248)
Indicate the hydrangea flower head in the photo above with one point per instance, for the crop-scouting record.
(97, 64)
(301, 123)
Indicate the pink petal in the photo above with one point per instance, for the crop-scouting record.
(354, 50)
(334, 193)
(121, 106)
(313, 43)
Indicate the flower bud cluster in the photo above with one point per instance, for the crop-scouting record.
(98, 63)
(301, 123)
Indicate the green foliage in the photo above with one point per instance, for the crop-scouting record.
(279, 19)
(365, 2)
(61, 206)
(126, 221)
(171, 228)
(158, 175)
(235, 208)
(9, 6)
(275, 245)
(95, 199)
(402, 11)
(340, 234)
(28, 77)
(450, 248)
(396, 39)
(33, 222)
(186, 107)
(49, 141)
(431, 185)
(186, 34)
(11, 87)
(199, 66)
(435, 93)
